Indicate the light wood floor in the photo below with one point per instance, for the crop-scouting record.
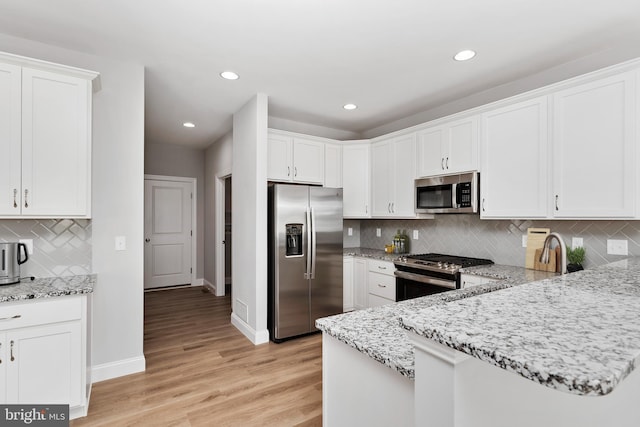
(201, 371)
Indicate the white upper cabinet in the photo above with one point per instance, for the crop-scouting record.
(10, 139)
(594, 139)
(45, 131)
(294, 159)
(355, 180)
(515, 179)
(448, 148)
(333, 165)
(392, 177)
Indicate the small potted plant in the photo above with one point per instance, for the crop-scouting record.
(575, 256)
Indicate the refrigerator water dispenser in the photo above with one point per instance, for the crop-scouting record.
(294, 239)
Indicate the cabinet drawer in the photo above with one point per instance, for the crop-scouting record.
(469, 280)
(376, 301)
(36, 312)
(382, 285)
(382, 267)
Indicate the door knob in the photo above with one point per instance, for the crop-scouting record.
(147, 240)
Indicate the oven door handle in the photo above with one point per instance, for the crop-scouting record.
(449, 284)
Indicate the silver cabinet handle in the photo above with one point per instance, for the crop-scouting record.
(442, 163)
(483, 205)
(447, 163)
(17, 316)
(381, 286)
(0, 353)
(366, 209)
(288, 170)
(393, 207)
(147, 240)
(12, 358)
(295, 171)
(389, 207)
(557, 202)
(382, 268)
(15, 198)
(26, 193)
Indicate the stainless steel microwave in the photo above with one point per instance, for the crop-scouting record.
(447, 194)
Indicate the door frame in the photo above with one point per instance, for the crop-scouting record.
(194, 217)
(219, 205)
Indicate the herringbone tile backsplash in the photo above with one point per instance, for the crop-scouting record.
(61, 247)
(500, 241)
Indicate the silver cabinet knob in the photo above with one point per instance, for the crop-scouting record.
(147, 240)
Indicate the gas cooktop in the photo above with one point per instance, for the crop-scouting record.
(439, 262)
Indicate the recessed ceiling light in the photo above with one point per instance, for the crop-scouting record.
(188, 125)
(229, 75)
(349, 106)
(464, 55)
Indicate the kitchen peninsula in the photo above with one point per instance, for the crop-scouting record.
(533, 354)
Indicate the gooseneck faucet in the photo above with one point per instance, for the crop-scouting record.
(544, 256)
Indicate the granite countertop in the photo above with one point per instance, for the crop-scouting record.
(577, 333)
(47, 287)
(377, 333)
(370, 253)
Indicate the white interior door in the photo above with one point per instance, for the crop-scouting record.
(167, 212)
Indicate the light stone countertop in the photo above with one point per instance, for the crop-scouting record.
(370, 253)
(578, 333)
(377, 333)
(48, 287)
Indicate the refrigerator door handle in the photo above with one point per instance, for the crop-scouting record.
(313, 244)
(307, 269)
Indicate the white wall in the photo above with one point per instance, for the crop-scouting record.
(249, 220)
(118, 201)
(178, 160)
(218, 161)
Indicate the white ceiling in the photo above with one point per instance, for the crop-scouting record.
(393, 58)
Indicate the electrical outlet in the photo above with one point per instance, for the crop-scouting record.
(378, 232)
(29, 244)
(121, 243)
(524, 240)
(416, 235)
(577, 242)
(617, 247)
(350, 231)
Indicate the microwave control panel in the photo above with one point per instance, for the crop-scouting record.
(464, 195)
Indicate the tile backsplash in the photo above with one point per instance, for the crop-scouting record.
(498, 240)
(61, 247)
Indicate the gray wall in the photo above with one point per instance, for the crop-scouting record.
(117, 204)
(500, 241)
(181, 161)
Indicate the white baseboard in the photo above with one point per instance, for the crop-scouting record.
(120, 368)
(259, 337)
(197, 282)
(210, 286)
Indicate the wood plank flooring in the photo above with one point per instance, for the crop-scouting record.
(201, 371)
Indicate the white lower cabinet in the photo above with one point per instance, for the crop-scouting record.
(347, 284)
(470, 280)
(43, 351)
(381, 282)
(360, 291)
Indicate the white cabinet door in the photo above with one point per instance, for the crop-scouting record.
(360, 290)
(347, 284)
(594, 149)
(279, 160)
(355, 181)
(382, 175)
(3, 367)
(429, 151)
(404, 176)
(515, 178)
(308, 161)
(333, 166)
(56, 155)
(10, 139)
(45, 364)
(461, 154)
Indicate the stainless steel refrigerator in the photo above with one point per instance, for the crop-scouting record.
(305, 257)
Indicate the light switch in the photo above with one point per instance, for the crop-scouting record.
(378, 232)
(121, 243)
(617, 247)
(577, 242)
(524, 240)
(350, 231)
(416, 235)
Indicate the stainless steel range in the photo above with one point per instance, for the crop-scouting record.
(427, 274)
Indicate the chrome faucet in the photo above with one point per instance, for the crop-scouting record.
(544, 256)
